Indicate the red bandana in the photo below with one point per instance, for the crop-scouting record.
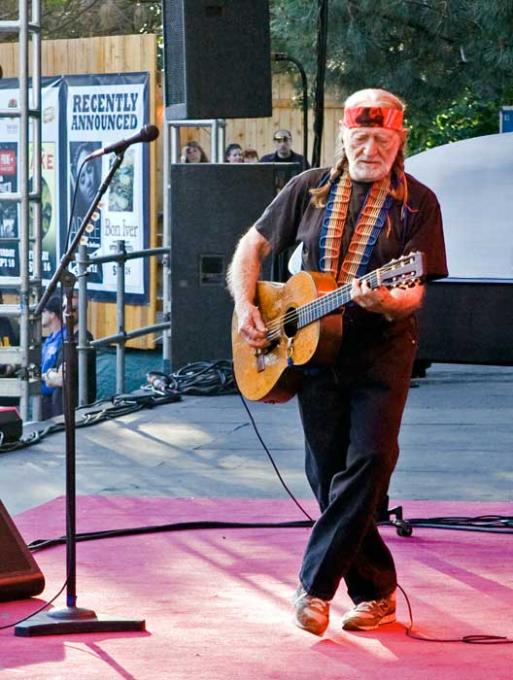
(373, 116)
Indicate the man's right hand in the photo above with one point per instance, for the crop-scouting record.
(251, 326)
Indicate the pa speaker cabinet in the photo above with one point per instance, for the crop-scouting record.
(20, 576)
(467, 322)
(211, 207)
(11, 425)
(217, 59)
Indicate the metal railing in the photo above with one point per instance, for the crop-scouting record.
(121, 337)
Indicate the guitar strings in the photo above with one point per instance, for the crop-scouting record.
(274, 327)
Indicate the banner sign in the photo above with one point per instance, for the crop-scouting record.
(9, 181)
(101, 110)
(95, 111)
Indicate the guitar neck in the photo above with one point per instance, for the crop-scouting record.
(315, 310)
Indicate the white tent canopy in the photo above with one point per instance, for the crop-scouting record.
(473, 180)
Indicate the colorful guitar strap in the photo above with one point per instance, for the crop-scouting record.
(370, 222)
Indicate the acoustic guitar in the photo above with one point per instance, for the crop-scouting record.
(304, 326)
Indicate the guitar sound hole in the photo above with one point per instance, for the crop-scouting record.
(291, 320)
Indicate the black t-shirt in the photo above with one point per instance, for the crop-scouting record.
(292, 218)
(293, 158)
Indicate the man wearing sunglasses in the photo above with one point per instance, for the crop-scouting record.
(283, 152)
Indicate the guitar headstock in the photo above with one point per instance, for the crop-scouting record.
(404, 272)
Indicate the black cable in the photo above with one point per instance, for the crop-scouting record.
(123, 405)
(38, 611)
(477, 639)
(42, 544)
(204, 378)
(271, 459)
(486, 523)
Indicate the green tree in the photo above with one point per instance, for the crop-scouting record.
(83, 18)
(450, 60)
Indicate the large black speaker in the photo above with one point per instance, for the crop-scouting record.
(211, 206)
(20, 576)
(217, 59)
(467, 322)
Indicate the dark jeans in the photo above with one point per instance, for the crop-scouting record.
(351, 416)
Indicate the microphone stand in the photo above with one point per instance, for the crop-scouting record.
(73, 619)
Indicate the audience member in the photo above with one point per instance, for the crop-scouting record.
(56, 378)
(250, 155)
(50, 357)
(192, 152)
(233, 154)
(283, 152)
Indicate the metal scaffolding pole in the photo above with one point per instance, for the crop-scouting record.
(30, 244)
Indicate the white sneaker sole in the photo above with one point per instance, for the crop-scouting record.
(315, 629)
(352, 625)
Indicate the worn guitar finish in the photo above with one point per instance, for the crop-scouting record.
(304, 321)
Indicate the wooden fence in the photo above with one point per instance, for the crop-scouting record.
(137, 53)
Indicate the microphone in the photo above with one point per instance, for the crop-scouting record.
(148, 133)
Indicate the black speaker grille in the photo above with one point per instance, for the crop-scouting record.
(217, 59)
(212, 206)
(174, 52)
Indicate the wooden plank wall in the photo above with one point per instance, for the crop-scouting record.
(257, 133)
(127, 53)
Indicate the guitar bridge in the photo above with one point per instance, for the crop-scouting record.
(260, 360)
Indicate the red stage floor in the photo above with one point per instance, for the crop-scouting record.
(216, 602)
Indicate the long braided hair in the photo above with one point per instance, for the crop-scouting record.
(398, 185)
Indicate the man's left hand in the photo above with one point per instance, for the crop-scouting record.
(393, 304)
(376, 300)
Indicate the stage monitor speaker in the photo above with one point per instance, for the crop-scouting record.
(217, 59)
(20, 577)
(211, 207)
(11, 425)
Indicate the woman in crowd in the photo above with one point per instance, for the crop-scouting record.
(233, 154)
(250, 156)
(192, 152)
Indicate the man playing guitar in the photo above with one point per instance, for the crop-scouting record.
(351, 219)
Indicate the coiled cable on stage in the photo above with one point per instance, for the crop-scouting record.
(200, 378)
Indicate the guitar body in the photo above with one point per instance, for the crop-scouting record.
(270, 375)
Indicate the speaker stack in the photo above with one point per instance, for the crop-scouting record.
(211, 207)
(217, 65)
(217, 57)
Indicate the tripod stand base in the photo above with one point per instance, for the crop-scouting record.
(75, 620)
(385, 515)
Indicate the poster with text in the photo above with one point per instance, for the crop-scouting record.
(101, 110)
(9, 181)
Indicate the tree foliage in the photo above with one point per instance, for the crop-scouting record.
(451, 60)
(85, 18)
